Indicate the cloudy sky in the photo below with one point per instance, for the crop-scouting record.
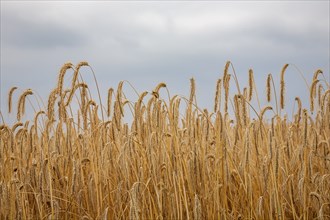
(147, 42)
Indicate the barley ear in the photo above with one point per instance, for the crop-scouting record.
(76, 72)
(312, 94)
(16, 125)
(264, 110)
(63, 70)
(120, 97)
(51, 104)
(283, 85)
(320, 88)
(139, 102)
(75, 77)
(316, 74)
(109, 100)
(243, 101)
(217, 95)
(82, 63)
(21, 103)
(197, 208)
(237, 109)
(10, 95)
(299, 109)
(73, 90)
(36, 120)
(226, 83)
(225, 72)
(268, 87)
(155, 92)
(192, 90)
(305, 114)
(85, 112)
(251, 79)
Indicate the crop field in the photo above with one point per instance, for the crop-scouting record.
(78, 158)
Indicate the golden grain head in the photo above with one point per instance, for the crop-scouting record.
(251, 80)
(269, 78)
(282, 101)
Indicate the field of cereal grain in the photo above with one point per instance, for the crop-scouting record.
(78, 159)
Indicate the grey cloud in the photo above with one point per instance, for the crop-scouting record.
(26, 33)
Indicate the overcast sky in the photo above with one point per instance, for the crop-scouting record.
(148, 42)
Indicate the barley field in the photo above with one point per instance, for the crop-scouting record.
(78, 159)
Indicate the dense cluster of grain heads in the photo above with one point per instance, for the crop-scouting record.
(72, 162)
